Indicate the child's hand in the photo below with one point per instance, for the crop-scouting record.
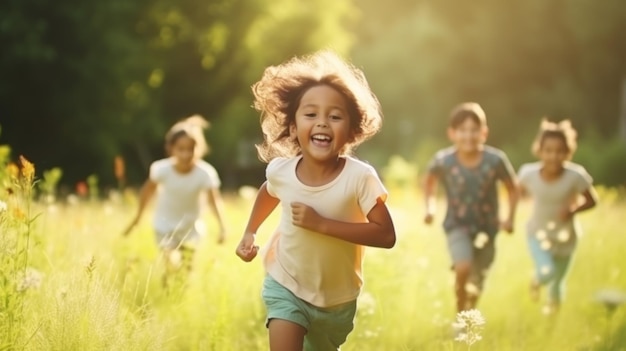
(507, 226)
(428, 218)
(304, 216)
(566, 214)
(246, 250)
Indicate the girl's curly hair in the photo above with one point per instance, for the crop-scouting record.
(562, 130)
(278, 93)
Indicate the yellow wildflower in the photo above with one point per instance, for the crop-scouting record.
(28, 169)
(13, 171)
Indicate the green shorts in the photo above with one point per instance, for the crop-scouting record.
(327, 328)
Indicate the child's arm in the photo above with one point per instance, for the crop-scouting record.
(590, 199)
(147, 190)
(217, 207)
(378, 232)
(430, 185)
(263, 207)
(513, 193)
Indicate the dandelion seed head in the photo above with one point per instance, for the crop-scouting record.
(544, 270)
(175, 258)
(459, 324)
(367, 304)
(563, 235)
(247, 192)
(3, 206)
(461, 337)
(49, 199)
(551, 225)
(30, 279)
(72, 200)
(472, 289)
(546, 245)
(469, 325)
(611, 298)
(471, 317)
(481, 240)
(108, 209)
(53, 208)
(541, 235)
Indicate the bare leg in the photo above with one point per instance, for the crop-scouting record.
(286, 335)
(462, 271)
(472, 300)
(535, 290)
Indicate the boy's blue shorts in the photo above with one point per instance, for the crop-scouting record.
(464, 247)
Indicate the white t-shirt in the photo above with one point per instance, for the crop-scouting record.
(318, 268)
(180, 197)
(549, 198)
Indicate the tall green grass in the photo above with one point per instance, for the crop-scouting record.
(98, 290)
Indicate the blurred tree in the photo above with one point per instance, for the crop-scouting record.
(520, 60)
(86, 81)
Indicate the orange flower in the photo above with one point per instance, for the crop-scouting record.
(28, 169)
(82, 189)
(119, 168)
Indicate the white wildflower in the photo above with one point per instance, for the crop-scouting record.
(481, 240)
(472, 289)
(611, 299)
(563, 235)
(30, 279)
(470, 324)
(545, 270)
(541, 235)
(546, 245)
(367, 304)
(72, 200)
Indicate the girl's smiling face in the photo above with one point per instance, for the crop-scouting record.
(322, 123)
(553, 152)
(183, 151)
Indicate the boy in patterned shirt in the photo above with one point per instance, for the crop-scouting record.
(469, 171)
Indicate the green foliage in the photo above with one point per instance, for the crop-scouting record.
(399, 174)
(520, 60)
(17, 277)
(113, 76)
(92, 185)
(48, 184)
(604, 159)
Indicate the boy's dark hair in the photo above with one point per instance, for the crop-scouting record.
(467, 110)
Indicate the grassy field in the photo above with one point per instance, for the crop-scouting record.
(89, 288)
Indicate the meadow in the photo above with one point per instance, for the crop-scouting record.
(71, 281)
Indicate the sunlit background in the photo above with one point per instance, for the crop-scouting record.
(83, 82)
(89, 88)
